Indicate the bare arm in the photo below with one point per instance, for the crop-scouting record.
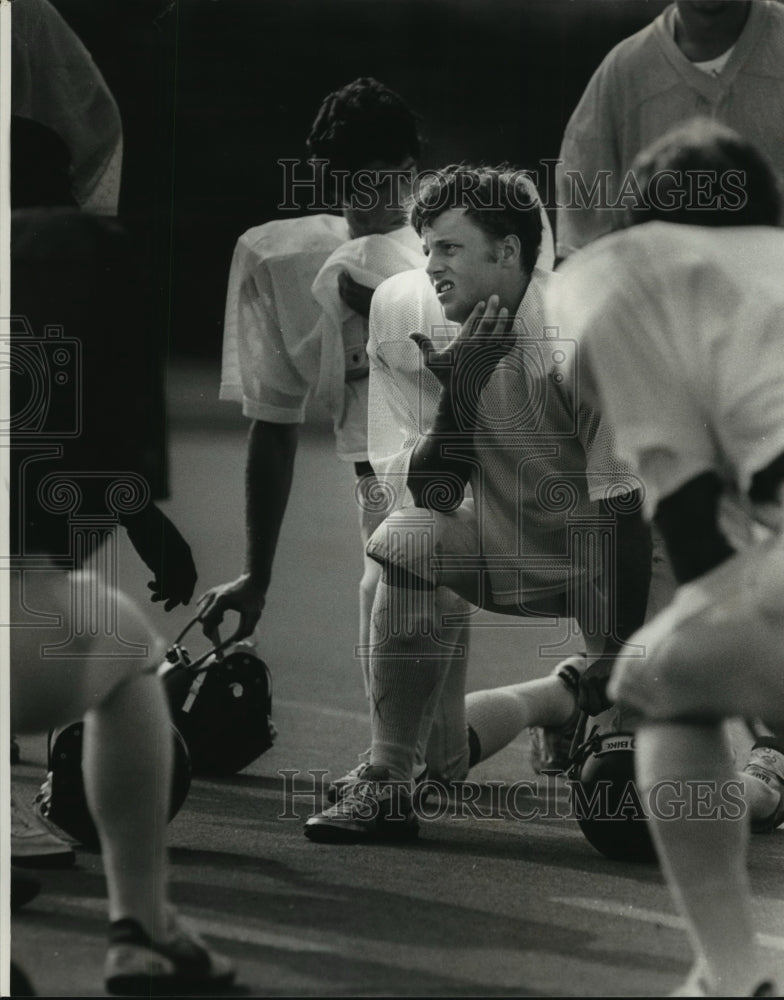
(688, 521)
(633, 554)
(268, 474)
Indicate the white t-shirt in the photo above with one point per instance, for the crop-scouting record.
(288, 334)
(541, 459)
(342, 333)
(682, 328)
(270, 312)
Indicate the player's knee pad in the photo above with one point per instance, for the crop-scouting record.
(403, 544)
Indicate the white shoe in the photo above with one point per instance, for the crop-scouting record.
(336, 788)
(32, 842)
(180, 965)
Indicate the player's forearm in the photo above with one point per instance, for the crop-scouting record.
(688, 521)
(433, 473)
(634, 552)
(270, 467)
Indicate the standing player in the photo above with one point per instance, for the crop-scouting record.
(281, 343)
(537, 466)
(698, 57)
(66, 497)
(680, 333)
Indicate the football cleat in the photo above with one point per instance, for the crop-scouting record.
(179, 965)
(371, 808)
(336, 788)
(551, 745)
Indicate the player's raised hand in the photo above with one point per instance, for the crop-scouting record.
(240, 595)
(465, 365)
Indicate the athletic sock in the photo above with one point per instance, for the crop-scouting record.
(498, 715)
(408, 665)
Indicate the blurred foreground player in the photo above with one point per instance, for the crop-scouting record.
(681, 333)
(89, 266)
(80, 646)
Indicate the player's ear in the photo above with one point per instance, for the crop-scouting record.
(511, 248)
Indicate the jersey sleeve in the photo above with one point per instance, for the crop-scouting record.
(257, 368)
(393, 419)
(749, 391)
(403, 395)
(630, 345)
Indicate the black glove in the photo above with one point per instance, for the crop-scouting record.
(592, 694)
(161, 546)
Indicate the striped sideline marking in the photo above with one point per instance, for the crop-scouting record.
(770, 941)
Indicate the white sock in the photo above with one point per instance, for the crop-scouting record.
(444, 734)
(498, 715)
(408, 664)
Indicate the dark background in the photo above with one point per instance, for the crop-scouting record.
(213, 92)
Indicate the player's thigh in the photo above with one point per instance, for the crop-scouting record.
(49, 693)
(717, 651)
(60, 672)
(429, 546)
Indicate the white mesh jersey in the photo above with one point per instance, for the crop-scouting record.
(683, 330)
(269, 362)
(541, 460)
(287, 333)
(342, 333)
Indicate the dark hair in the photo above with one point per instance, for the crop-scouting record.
(704, 173)
(362, 122)
(501, 201)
